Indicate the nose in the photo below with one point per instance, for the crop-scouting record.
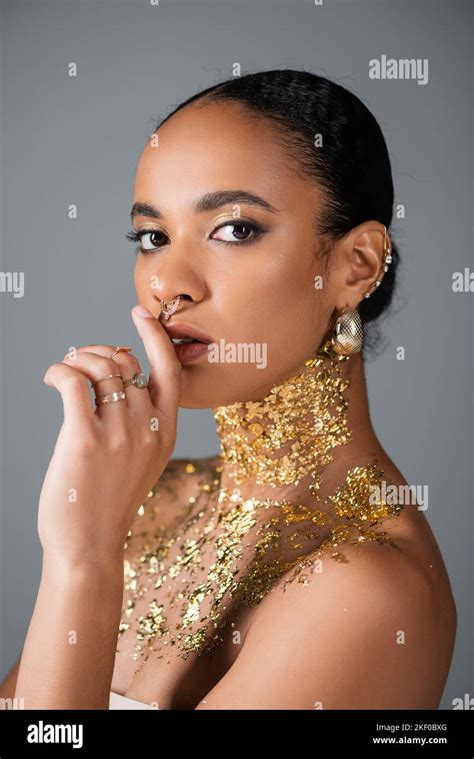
(174, 274)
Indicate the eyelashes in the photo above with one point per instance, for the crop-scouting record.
(138, 237)
(255, 230)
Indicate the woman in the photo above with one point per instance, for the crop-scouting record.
(290, 570)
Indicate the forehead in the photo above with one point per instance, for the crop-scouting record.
(216, 146)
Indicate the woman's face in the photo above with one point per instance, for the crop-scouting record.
(245, 268)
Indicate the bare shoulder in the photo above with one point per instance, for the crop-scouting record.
(375, 632)
(369, 626)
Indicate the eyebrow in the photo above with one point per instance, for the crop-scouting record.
(209, 202)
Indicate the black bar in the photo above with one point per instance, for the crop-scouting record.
(138, 733)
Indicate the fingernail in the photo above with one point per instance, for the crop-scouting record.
(143, 312)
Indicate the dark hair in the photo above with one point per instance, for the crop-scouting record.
(352, 164)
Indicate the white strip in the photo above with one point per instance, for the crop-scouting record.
(123, 702)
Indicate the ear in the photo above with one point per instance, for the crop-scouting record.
(358, 262)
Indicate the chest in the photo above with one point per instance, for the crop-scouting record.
(191, 592)
(167, 680)
(182, 624)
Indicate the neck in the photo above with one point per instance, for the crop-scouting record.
(284, 441)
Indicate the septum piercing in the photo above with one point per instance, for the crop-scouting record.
(169, 307)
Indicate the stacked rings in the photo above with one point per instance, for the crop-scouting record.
(139, 380)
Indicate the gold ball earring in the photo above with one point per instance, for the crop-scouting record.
(348, 333)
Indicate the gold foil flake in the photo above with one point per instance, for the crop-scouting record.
(242, 557)
(360, 495)
(339, 557)
(194, 604)
(152, 624)
(279, 440)
(191, 579)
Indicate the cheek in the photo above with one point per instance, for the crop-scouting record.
(275, 306)
(270, 291)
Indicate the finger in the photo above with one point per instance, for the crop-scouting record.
(109, 381)
(138, 399)
(75, 393)
(165, 375)
(95, 368)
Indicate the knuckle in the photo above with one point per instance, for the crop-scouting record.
(149, 440)
(143, 434)
(120, 442)
(147, 435)
(109, 365)
(130, 363)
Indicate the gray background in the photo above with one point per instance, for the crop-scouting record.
(78, 140)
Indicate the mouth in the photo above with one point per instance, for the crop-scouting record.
(189, 342)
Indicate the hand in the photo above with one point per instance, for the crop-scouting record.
(106, 459)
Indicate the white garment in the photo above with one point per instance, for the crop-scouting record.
(123, 702)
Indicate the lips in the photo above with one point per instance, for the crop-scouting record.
(180, 330)
(190, 343)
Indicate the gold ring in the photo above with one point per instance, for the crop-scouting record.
(105, 378)
(120, 348)
(139, 380)
(111, 397)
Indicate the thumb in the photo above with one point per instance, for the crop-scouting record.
(165, 375)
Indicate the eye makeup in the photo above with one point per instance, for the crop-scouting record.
(134, 236)
(256, 230)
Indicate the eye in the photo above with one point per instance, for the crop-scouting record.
(233, 233)
(149, 239)
(238, 232)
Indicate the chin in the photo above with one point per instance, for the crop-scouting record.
(211, 385)
(198, 388)
(201, 391)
